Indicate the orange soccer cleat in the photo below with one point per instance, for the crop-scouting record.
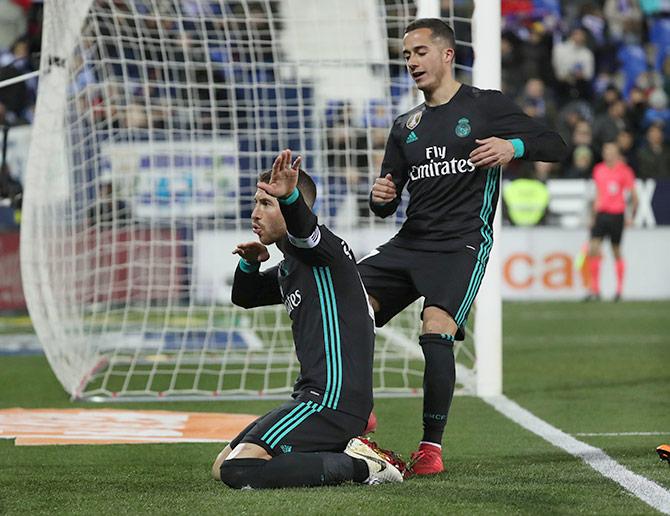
(427, 460)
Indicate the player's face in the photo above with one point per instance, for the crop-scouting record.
(266, 219)
(428, 60)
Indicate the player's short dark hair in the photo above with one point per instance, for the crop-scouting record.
(439, 29)
(305, 185)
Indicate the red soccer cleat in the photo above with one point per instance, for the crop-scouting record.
(372, 424)
(426, 461)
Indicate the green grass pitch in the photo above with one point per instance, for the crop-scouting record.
(584, 368)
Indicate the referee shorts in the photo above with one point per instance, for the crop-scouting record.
(396, 277)
(301, 426)
(608, 225)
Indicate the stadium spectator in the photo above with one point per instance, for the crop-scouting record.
(610, 95)
(570, 115)
(636, 109)
(658, 111)
(614, 180)
(526, 198)
(653, 157)
(13, 23)
(18, 98)
(511, 72)
(625, 140)
(608, 125)
(574, 66)
(536, 102)
(580, 166)
(10, 188)
(536, 53)
(624, 19)
(108, 210)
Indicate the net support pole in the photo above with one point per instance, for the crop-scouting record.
(428, 9)
(488, 321)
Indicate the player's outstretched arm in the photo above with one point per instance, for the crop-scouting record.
(251, 287)
(528, 138)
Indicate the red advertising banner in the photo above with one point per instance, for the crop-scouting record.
(127, 265)
(11, 291)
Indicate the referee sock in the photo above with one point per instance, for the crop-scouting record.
(293, 470)
(620, 271)
(439, 378)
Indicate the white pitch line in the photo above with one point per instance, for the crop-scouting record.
(649, 492)
(617, 434)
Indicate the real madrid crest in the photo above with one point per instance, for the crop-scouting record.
(463, 128)
(414, 120)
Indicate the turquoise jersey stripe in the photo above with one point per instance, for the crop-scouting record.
(331, 338)
(338, 343)
(310, 410)
(324, 321)
(484, 248)
(286, 420)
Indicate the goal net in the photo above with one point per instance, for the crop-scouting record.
(153, 120)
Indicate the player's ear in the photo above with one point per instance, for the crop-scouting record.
(448, 55)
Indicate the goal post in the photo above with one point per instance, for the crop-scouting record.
(152, 122)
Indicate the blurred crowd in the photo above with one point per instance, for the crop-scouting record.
(595, 70)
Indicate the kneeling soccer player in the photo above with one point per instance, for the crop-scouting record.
(311, 440)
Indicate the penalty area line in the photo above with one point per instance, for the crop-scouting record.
(646, 490)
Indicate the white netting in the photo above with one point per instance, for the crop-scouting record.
(153, 120)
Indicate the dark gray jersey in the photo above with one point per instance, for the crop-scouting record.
(451, 202)
(332, 322)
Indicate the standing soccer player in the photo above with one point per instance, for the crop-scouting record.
(448, 153)
(614, 180)
(309, 441)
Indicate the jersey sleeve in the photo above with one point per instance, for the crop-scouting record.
(394, 163)
(253, 288)
(507, 120)
(308, 241)
(629, 178)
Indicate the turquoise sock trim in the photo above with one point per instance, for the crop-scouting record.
(290, 198)
(519, 147)
(248, 266)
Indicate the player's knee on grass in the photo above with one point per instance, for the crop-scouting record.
(238, 473)
(436, 320)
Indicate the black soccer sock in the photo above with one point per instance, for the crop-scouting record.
(293, 470)
(439, 378)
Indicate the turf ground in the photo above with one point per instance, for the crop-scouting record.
(599, 368)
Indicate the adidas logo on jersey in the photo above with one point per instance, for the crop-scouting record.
(411, 137)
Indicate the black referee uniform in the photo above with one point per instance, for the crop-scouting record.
(333, 330)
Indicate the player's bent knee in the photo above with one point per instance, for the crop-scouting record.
(239, 473)
(436, 320)
(231, 474)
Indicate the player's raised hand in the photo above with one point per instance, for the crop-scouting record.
(492, 152)
(284, 178)
(252, 252)
(383, 190)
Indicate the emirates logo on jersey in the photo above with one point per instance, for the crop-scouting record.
(414, 120)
